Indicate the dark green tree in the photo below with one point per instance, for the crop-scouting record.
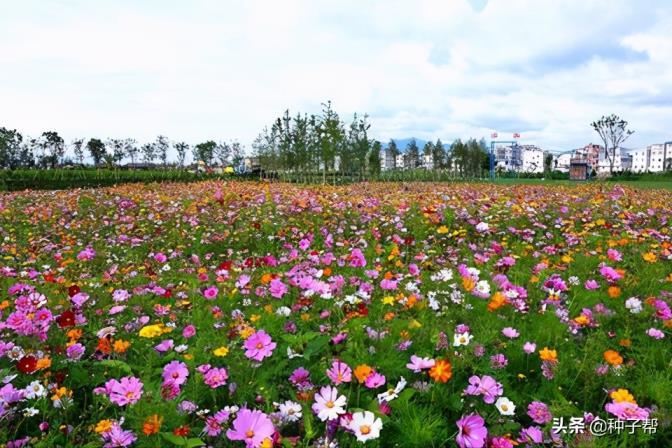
(97, 150)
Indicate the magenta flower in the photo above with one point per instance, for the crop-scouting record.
(498, 361)
(164, 346)
(127, 390)
(591, 284)
(117, 437)
(252, 427)
(210, 292)
(75, 351)
(472, 432)
(655, 333)
(627, 411)
(189, 331)
(485, 386)
(539, 412)
(277, 288)
(216, 377)
(340, 372)
(357, 259)
(175, 372)
(374, 380)
(531, 434)
(259, 346)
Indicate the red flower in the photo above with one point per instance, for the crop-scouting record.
(181, 431)
(27, 364)
(226, 265)
(66, 319)
(74, 289)
(168, 294)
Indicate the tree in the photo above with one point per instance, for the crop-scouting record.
(10, 147)
(412, 154)
(223, 153)
(205, 151)
(97, 150)
(439, 155)
(53, 147)
(117, 155)
(330, 138)
(613, 132)
(548, 162)
(374, 158)
(148, 152)
(428, 153)
(131, 149)
(237, 154)
(78, 149)
(181, 148)
(161, 144)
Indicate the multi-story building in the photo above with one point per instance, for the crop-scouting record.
(532, 158)
(654, 158)
(387, 160)
(562, 162)
(400, 161)
(591, 154)
(427, 161)
(508, 157)
(622, 161)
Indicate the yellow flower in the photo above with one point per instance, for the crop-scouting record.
(649, 257)
(255, 317)
(246, 332)
(120, 346)
(547, 354)
(441, 230)
(388, 300)
(103, 426)
(221, 351)
(152, 331)
(622, 395)
(414, 324)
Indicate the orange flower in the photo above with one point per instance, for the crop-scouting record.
(120, 346)
(614, 291)
(152, 425)
(547, 354)
(75, 333)
(43, 363)
(625, 343)
(613, 357)
(104, 346)
(468, 283)
(498, 300)
(266, 278)
(649, 257)
(362, 372)
(442, 371)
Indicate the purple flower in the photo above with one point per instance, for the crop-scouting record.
(75, 351)
(531, 434)
(277, 288)
(498, 361)
(539, 412)
(175, 372)
(252, 427)
(259, 346)
(472, 432)
(485, 386)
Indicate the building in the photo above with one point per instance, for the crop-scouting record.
(400, 162)
(591, 154)
(387, 160)
(532, 158)
(562, 162)
(622, 161)
(427, 161)
(509, 157)
(653, 159)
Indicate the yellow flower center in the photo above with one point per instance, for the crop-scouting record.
(365, 429)
(329, 404)
(249, 434)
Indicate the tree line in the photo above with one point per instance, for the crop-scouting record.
(49, 150)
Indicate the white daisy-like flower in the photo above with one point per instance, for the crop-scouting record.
(365, 425)
(462, 339)
(35, 390)
(505, 406)
(291, 411)
(392, 393)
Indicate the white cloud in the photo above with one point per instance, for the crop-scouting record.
(433, 68)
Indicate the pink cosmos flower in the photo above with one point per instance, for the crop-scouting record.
(210, 292)
(277, 288)
(627, 411)
(216, 377)
(614, 255)
(86, 254)
(75, 351)
(79, 299)
(531, 434)
(485, 386)
(529, 347)
(610, 274)
(259, 346)
(539, 412)
(510, 332)
(374, 380)
(591, 284)
(388, 284)
(252, 427)
(655, 333)
(418, 364)
(175, 372)
(189, 331)
(117, 437)
(472, 432)
(164, 346)
(340, 372)
(127, 390)
(357, 259)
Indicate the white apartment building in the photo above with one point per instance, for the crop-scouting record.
(387, 161)
(400, 162)
(532, 159)
(652, 158)
(508, 157)
(562, 162)
(622, 161)
(427, 161)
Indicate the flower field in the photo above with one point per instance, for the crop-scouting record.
(376, 314)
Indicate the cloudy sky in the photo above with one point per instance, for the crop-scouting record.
(197, 70)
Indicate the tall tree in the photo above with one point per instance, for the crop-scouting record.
(131, 149)
(181, 149)
(439, 155)
(374, 158)
(205, 152)
(161, 144)
(97, 150)
(412, 154)
(148, 152)
(10, 148)
(78, 149)
(116, 145)
(330, 138)
(223, 153)
(237, 154)
(53, 147)
(613, 131)
(428, 160)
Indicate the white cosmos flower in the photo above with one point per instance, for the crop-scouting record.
(483, 287)
(365, 425)
(291, 411)
(328, 404)
(35, 390)
(462, 339)
(505, 406)
(392, 393)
